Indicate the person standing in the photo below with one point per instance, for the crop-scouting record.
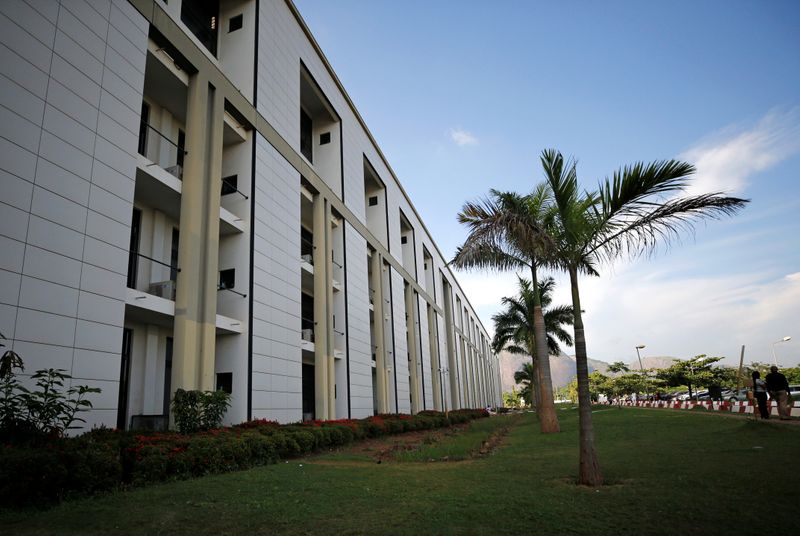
(778, 388)
(760, 393)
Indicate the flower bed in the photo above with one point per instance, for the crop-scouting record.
(48, 470)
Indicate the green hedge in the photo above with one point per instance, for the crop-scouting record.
(46, 471)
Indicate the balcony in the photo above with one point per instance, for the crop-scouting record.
(307, 334)
(159, 170)
(151, 290)
(230, 223)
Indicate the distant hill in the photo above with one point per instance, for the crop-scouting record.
(562, 367)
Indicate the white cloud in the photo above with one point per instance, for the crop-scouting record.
(726, 160)
(461, 137)
(714, 315)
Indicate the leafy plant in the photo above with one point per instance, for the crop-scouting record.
(10, 401)
(47, 409)
(196, 411)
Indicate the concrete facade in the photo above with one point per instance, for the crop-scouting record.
(190, 200)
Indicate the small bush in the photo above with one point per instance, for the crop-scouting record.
(196, 411)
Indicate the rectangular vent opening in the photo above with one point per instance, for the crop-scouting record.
(324, 138)
(227, 278)
(235, 23)
(403, 239)
(373, 200)
(230, 184)
(225, 382)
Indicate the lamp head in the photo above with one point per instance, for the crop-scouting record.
(787, 338)
(640, 346)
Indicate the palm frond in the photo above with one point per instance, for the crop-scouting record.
(474, 255)
(638, 184)
(663, 223)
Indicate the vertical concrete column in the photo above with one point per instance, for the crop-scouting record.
(189, 350)
(331, 360)
(451, 346)
(376, 265)
(436, 365)
(484, 375)
(481, 379)
(464, 372)
(150, 371)
(413, 366)
(320, 310)
(216, 111)
(166, 152)
(158, 271)
(388, 328)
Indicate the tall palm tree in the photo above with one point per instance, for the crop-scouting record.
(630, 215)
(507, 232)
(514, 330)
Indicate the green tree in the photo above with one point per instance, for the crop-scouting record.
(697, 372)
(598, 385)
(507, 231)
(514, 330)
(511, 399)
(792, 374)
(629, 215)
(618, 366)
(526, 377)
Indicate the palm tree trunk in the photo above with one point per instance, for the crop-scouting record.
(535, 380)
(589, 474)
(536, 386)
(548, 421)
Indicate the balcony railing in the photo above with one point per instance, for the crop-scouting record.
(173, 162)
(163, 289)
(229, 187)
(307, 329)
(307, 250)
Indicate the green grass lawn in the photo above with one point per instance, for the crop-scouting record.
(669, 472)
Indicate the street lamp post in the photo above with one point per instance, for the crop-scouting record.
(785, 339)
(641, 368)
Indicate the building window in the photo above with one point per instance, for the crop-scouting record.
(201, 19)
(173, 255)
(143, 126)
(235, 23)
(305, 135)
(181, 149)
(230, 184)
(225, 382)
(133, 252)
(227, 279)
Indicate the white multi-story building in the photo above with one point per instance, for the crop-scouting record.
(191, 200)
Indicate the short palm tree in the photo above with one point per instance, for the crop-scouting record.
(631, 214)
(507, 232)
(514, 330)
(527, 377)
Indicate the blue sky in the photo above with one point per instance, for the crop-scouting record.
(462, 96)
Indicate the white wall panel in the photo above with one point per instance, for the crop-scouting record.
(276, 292)
(360, 351)
(52, 63)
